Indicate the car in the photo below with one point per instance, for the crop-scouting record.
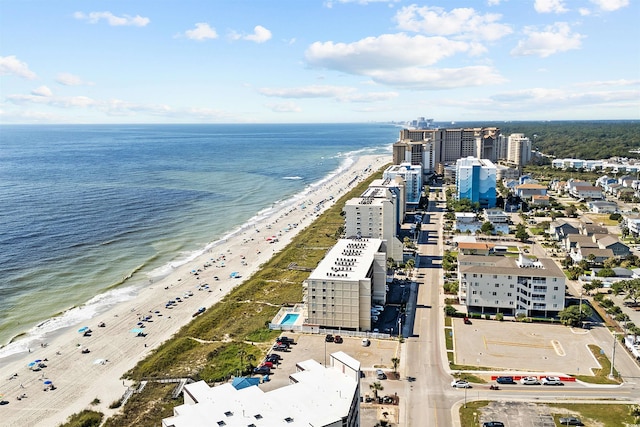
(493, 424)
(280, 347)
(267, 364)
(273, 357)
(529, 381)
(287, 340)
(286, 344)
(570, 421)
(380, 374)
(328, 338)
(467, 321)
(262, 370)
(460, 384)
(366, 342)
(551, 381)
(378, 307)
(505, 380)
(337, 339)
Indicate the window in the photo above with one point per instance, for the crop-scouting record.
(497, 285)
(511, 286)
(495, 276)
(508, 294)
(495, 294)
(228, 413)
(475, 275)
(289, 419)
(474, 292)
(555, 288)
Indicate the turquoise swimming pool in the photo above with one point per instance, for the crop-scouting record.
(289, 319)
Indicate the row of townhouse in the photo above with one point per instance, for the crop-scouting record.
(584, 240)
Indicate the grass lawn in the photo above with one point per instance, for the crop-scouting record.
(601, 375)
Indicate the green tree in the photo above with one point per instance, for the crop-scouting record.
(450, 310)
(574, 315)
(395, 361)
(376, 387)
(487, 228)
(521, 232)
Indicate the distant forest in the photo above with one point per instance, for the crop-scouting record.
(588, 140)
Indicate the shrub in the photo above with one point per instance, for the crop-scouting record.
(500, 317)
(487, 316)
(449, 310)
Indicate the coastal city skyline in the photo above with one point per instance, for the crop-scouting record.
(324, 61)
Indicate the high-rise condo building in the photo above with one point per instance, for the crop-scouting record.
(476, 181)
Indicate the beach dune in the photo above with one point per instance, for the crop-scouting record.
(80, 367)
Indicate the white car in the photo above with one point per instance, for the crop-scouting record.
(529, 381)
(460, 384)
(551, 381)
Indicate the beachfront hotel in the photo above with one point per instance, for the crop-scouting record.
(317, 396)
(341, 290)
(378, 213)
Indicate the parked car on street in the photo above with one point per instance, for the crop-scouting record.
(280, 347)
(286, 340)
(338, 339)
(328, 338)
(380, 374)
(493, 424)
(505, 380)
(529, 381)
(551, 381)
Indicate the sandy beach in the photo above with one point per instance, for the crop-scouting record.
(79, 377)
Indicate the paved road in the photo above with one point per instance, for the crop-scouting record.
(430, 400)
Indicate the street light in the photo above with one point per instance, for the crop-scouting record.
(613, 358)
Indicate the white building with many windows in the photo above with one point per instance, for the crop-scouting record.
(351, 278)
(500, 284)
(317, 396)
(377, 214)
(412, 177)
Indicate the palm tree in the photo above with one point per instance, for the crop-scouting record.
(250, 359)
(376, 387)
(241, 354)
(396, 362)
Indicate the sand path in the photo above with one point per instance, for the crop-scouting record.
(114, 349)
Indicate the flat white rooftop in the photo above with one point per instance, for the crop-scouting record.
(349, 259)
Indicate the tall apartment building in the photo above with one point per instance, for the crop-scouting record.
(340, 292)
(412, 177)
(518, 149)
(316, 396)
(476, 181)
(499, 284)
(378, 213)
(434, 148)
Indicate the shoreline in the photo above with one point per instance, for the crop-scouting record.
(134, 281)
(114, 348)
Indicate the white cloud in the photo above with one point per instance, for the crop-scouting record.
(560, 97)
(10, 65)
(549, 6)
(610, 5)
(464, 23)
(202, 32)
(621, 82)
(443, 78)
(285, 107)
(115, 21)
(330, 3)
(388, 51)
(68, 79)
(583, 11)
(338, 93)
(553, 39)
(42, 91)
(493, 2)
(260, 35)
(385, 60)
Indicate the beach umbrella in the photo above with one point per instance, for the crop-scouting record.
(137, 330)
(31, 365)
(83, 329)
(38, 360)
(47, 382)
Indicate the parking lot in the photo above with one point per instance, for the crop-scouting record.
(523, 346)
(519, 414)
(377, 355)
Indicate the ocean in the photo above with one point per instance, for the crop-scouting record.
(91, 213)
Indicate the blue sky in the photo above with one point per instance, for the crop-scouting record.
(305, 61)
